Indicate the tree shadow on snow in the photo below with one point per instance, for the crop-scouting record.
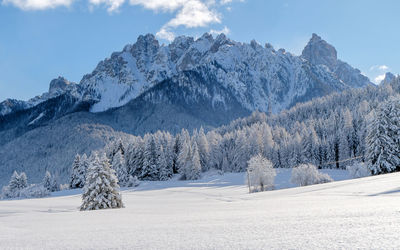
(397, 190)
(223, 181)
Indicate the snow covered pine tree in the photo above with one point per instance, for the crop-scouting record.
(75, 180)
(101, 190)
(120, 168)
(383, 142)
(78, 173)
(189, 161)
(49, 182)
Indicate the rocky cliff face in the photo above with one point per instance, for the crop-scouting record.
(319, 52)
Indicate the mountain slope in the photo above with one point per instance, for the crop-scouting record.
(50, 147)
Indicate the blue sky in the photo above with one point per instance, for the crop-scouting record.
(43, 39)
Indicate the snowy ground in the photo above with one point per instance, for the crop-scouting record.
(215, 213)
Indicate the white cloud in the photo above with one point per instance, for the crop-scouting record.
(113, 5)
(165, 34)
(38, 4)
(223, 2)
(379, 78)
(383, 67)
(225, 30)
(194, 14)
(379, 68)
(187, 13)
(157, 5)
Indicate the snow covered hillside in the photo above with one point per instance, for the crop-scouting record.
(214, 213)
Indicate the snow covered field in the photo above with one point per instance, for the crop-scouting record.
(215, 213)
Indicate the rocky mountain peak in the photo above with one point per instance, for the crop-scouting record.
(179, 46)
(182, 41)
(255, 45)
(219, 41)
(388, 78)
(207, 36)
(58, 85)
(146, 39)
(318, 51)
(145, 45)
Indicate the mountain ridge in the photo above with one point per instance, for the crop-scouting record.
(126, 74)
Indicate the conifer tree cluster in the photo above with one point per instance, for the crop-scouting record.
(78, 172)
(334, 131)
(18, 182)
(383, 140)
(18, 187)
(50, 183)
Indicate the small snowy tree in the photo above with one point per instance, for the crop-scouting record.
(120, 168)
(50, 183)
(17, 183)
(203, 146)
(308, 174)
(358, 170)
(165, 171)
(150, 168)
(76, 179)
(134, 157)
(193, 168)
(78, 173)
(133, 181)
(260, 174)
(34, 191)
(84, 166)
(190, 162)
(101, 189)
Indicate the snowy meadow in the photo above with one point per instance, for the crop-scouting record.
(215, 212)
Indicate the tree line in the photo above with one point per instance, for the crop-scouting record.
(329, 132)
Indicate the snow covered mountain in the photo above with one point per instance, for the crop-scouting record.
(259, 78)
